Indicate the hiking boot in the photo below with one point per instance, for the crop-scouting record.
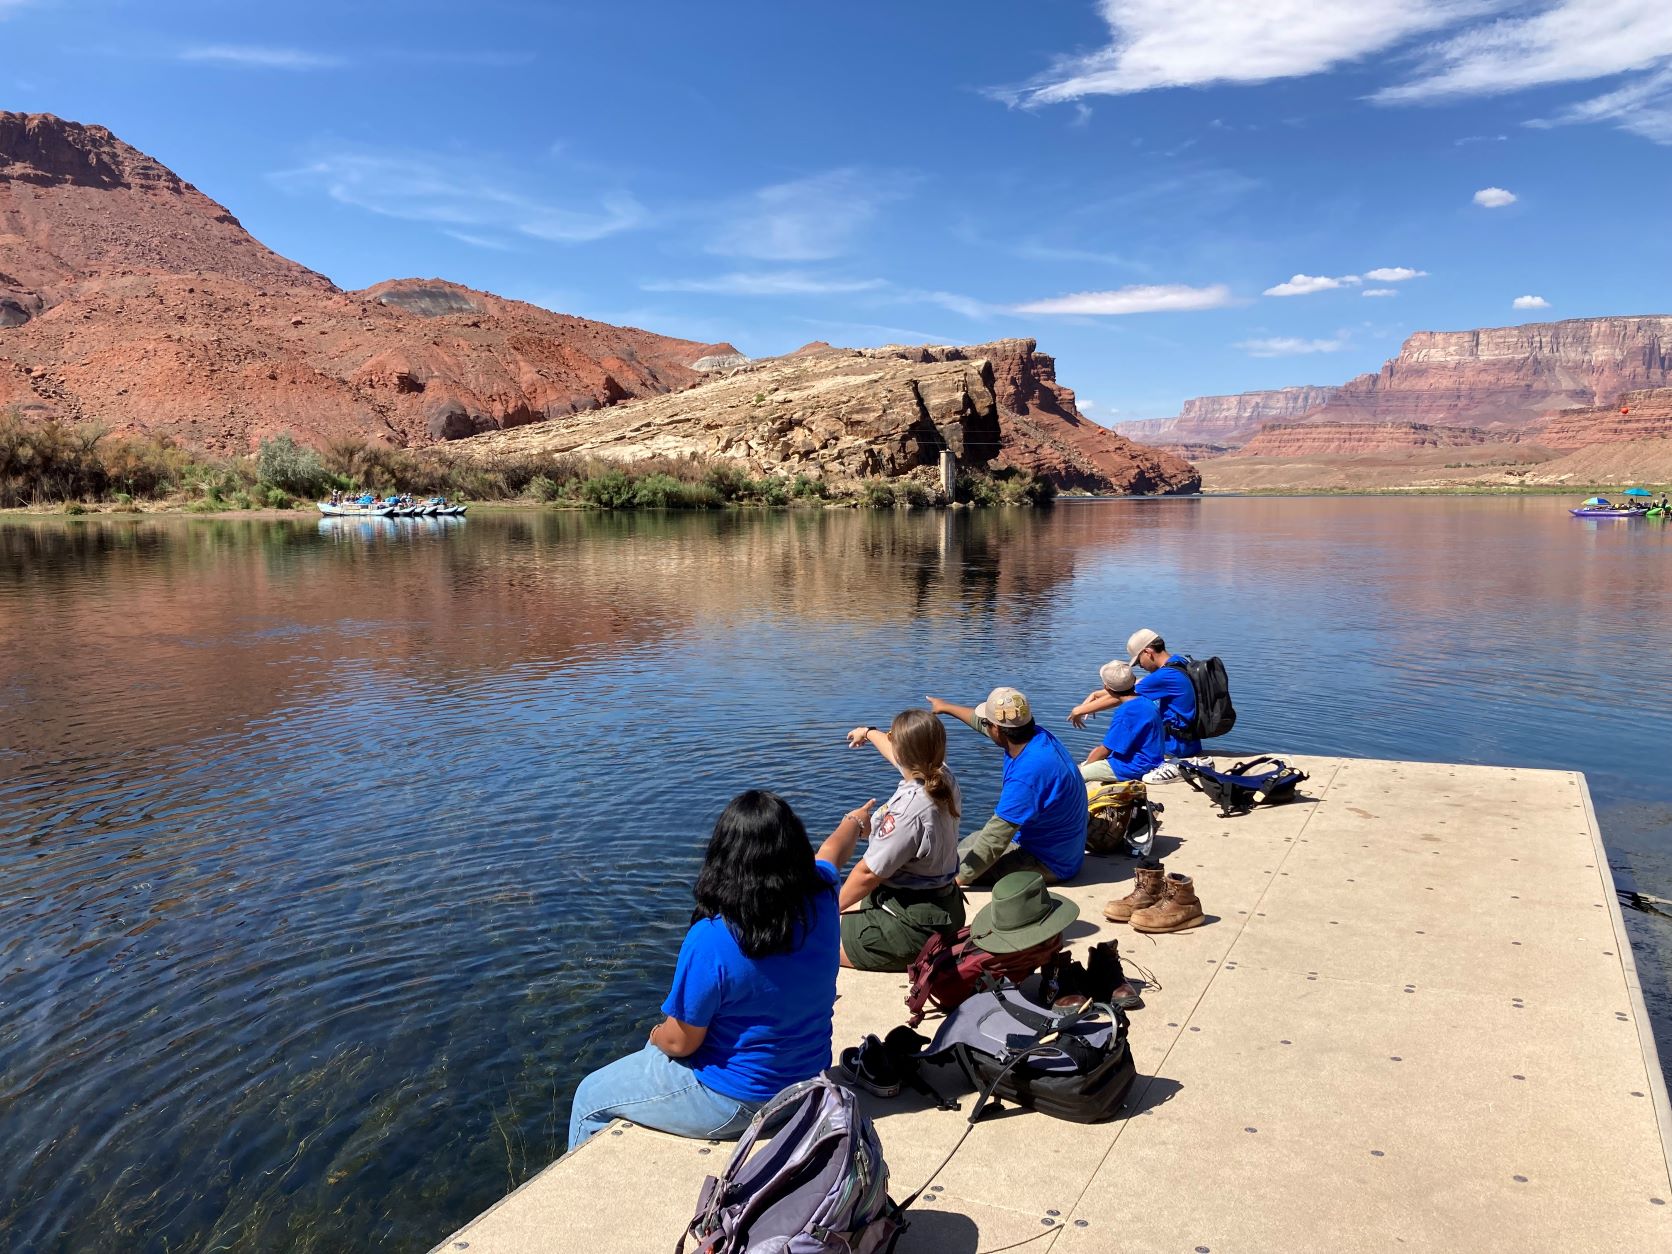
(1177, 909)
(1148, 885)
(1106, 979)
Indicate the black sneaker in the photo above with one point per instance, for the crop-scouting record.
(869, 1066)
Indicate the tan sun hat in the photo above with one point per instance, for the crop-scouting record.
(1138, 641)
(1117, 676)
(1005, 707)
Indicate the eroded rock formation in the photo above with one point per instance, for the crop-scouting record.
(1645, 414)
(846, 414)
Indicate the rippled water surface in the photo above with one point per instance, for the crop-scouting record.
(331, 858)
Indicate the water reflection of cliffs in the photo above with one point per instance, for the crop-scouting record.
(220, 625)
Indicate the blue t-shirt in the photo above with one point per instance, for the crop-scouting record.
(1137, 738)
(1171, 689)
(768, 1019)
(1045, 797)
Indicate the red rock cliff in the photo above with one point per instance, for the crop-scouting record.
(1227, 420)
(1312, 439)
(1509, 377)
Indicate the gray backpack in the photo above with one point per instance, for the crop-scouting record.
(820, 1187)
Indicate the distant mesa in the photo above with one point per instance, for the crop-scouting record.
(1227, 421)
(131, 300)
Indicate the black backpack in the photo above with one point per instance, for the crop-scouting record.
(1215, 715)
(1071, 1063)
(1237, 789)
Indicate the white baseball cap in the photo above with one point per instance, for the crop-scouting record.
(1138, 641)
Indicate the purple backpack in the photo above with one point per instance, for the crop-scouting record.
(819, 1187)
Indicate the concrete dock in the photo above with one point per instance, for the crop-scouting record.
(1412, 1020)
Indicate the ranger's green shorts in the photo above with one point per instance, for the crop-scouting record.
(892, 924)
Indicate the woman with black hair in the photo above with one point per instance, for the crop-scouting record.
(750, 1009)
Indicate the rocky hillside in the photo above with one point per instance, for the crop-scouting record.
(1310, 439)
(1641, 415)
(130, 299)
(1228, 421)
(845, 414)
(1508, 378)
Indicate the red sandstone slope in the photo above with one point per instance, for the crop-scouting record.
(130, 299)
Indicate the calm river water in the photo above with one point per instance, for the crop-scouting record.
(331, 858)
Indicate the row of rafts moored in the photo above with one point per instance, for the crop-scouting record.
(367, 505)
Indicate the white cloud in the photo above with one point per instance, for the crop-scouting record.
(1565, 42)
(808, 219)
(1494, 198)
(1289, 346)
(457, 194)
(1642, 107)
(1379, 291)
(1480, 139)
(1394, 274)
(1529, 302)
(767, 283)
(479, 241)
(1184, 43)
(1306, 284)
(1141, 298)
(257, 56)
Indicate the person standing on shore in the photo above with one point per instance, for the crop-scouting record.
(1165, 684)
(1039, 823)
(754, 989)
(903, 890)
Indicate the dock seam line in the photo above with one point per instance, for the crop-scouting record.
(1219, 966)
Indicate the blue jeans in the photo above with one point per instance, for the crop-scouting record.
(656, 1091)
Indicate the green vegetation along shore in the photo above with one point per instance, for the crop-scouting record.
(77, 470)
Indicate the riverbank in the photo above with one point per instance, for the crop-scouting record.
(1414, 985)
(56, 468)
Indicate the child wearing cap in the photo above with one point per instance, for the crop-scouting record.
(1136, 741)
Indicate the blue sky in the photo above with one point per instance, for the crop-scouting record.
(1175, 197)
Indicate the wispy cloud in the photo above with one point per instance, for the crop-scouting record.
(1394, 274)
(458, 194)
(479, 241)
(766, 283)
(807, 219)
(1139, 298)
(262, 57)
(1190, 43)
(871, 330)
(1379, 291)
(1494, 198)
(1566, 42)
(1480, 139)
(1529, 302)
(1289, 346)
(1457, 48)
(1306, 284)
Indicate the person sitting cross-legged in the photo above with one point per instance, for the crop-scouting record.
(754, 990)
(902, 890)
(1039, 823)
(1136, 739)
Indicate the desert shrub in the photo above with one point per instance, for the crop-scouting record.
(911, 492)
(123, 499)
(242, 500)
(544, 488)
(774, 491)
(74, 507)
(278, 498)
(662, 491)
(878, 494)
(283, 463)
(612, 489)
(805, 487)
(729, 481)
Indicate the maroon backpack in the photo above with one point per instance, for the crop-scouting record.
(946, 973)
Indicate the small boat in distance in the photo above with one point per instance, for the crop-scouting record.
(368, 506)
(1602, 507)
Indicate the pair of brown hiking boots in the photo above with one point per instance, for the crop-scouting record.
(1160, 901)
